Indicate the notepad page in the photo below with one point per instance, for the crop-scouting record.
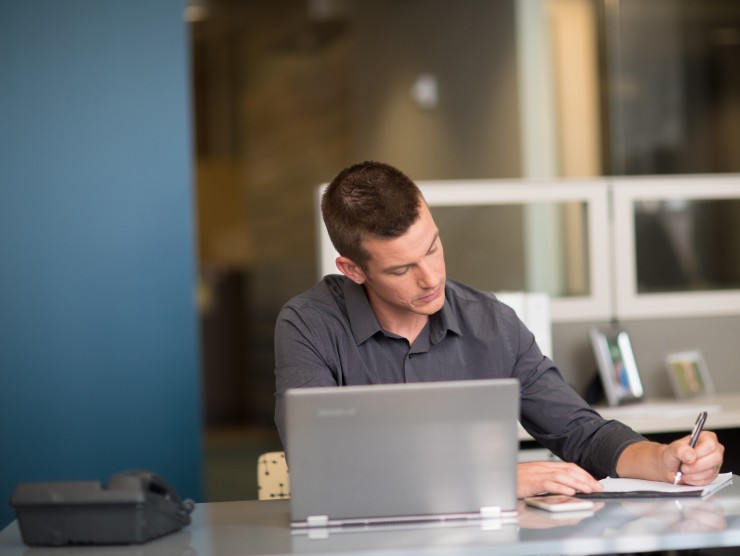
(640, 485)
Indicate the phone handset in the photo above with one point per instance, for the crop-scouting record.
(149, 482)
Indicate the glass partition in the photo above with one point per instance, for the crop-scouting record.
(687, 245)
(669, 248)
(676, 246)
(486, 246)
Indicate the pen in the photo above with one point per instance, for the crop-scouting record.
(698, 426)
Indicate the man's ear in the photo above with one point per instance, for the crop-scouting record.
(350, 269)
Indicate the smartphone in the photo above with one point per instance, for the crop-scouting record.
(559, 503)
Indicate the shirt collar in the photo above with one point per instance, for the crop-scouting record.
(361, 317)
(364, 324)
(443, 321)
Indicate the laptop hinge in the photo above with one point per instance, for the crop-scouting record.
(488, 512)
(317, 520)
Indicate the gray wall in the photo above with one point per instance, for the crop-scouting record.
(98, 353)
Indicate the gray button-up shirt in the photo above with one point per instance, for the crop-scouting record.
(329, 336)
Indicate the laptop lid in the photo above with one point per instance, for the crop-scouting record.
(402, 452)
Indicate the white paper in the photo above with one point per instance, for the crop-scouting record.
(637, 485)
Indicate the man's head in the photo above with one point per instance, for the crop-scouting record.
(388, 241)
(368, 200)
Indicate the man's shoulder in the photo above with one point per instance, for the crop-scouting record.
(327, 294)
(460, 292)
(474, 302)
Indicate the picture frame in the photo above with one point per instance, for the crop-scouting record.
(617, 367)
(688, 374)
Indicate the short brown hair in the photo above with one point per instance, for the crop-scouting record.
(369, 199)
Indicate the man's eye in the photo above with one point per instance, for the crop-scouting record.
(400, 272)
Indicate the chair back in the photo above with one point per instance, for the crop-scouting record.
(273, 478)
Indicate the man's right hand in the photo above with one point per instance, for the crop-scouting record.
(554, 477)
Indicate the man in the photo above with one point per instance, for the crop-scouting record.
(395, 317)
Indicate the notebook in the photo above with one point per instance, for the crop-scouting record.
(640, 488)
(402, 452)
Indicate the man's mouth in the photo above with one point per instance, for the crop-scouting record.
(431, 296)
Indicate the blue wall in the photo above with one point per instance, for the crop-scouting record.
(98, 330)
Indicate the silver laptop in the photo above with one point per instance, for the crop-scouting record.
(402, 452)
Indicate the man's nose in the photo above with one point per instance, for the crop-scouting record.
(426, 277)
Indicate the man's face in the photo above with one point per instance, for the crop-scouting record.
(407, 274)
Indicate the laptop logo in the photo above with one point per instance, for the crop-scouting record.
(331, 412)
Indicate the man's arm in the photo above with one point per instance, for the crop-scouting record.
(298, 360)
(641, 460)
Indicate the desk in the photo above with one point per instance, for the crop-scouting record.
(617, 526)
(672, 416)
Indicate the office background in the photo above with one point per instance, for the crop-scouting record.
(157, 179)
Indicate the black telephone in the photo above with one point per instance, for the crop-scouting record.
(133, 508)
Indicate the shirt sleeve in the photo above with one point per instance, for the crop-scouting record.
(559, 419)
(299, 361)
